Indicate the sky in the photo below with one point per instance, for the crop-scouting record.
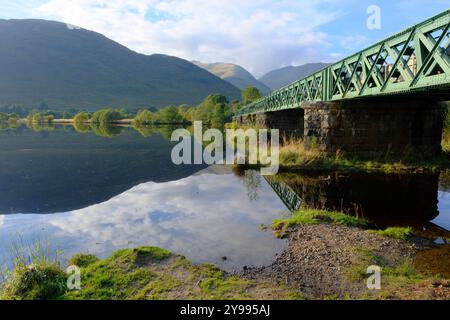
(260, 35)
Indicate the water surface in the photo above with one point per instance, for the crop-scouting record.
(85, 193)
(97, 192)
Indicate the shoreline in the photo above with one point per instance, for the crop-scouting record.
(115, 122)
(324, 259)
(329, 261)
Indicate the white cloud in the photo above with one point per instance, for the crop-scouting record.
(261, 35)
(2, 220)
(353, 43)
(204, 217)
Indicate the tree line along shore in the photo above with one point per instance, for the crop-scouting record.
(215, 109)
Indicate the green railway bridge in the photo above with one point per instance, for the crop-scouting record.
(387, 98)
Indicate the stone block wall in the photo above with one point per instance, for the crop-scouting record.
(289, 122)
(374, 127)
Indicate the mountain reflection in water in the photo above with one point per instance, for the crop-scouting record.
(62, 170)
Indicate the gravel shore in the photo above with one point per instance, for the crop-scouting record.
(317, 257)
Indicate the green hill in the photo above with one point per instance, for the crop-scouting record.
(58, 66)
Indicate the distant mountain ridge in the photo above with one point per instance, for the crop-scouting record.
(234, 74)
(277, 79)
(55, 65)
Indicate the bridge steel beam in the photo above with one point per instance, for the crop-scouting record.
(413, 62)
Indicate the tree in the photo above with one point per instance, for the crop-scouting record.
(37, 117)
(169, 115)
(144, 117)
(235, 105)
(185, 112)
(13, 120)
(213, 110)
(250, 95)
(82, 117)
(218, 115)
(105, 116)
(106, 130)
(3, 117)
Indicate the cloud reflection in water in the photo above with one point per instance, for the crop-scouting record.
(205, 217)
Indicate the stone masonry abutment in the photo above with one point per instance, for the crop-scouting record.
(375, 128)
(366, 128)
(289, 122)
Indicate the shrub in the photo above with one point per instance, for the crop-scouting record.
(39, 281)
(144, 117)
(106, 116)
(37, 117)
(82, 117)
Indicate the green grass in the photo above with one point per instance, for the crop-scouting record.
(142, 273)
(141, 254)
(82, 260)
(362, 259)
(398, 280)
(36, 281)
(392, 277)
(119, 276)
(294, 156)
(36, 273)
(308, 217)
(395, 232)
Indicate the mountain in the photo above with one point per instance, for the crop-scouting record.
(55, 65)
(279, 78)
(234, 74)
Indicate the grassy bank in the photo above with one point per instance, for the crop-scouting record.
(282, 227)
(294, 155)
(399, 281)
(317, 239)
(141, 273)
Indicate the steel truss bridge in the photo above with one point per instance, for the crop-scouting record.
(414, 61)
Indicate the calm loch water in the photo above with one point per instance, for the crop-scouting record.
(99, 192)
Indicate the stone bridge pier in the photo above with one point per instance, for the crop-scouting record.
(290, 122)
(375, 127)
(365, 128)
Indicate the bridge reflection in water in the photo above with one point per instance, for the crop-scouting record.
(385, 200)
